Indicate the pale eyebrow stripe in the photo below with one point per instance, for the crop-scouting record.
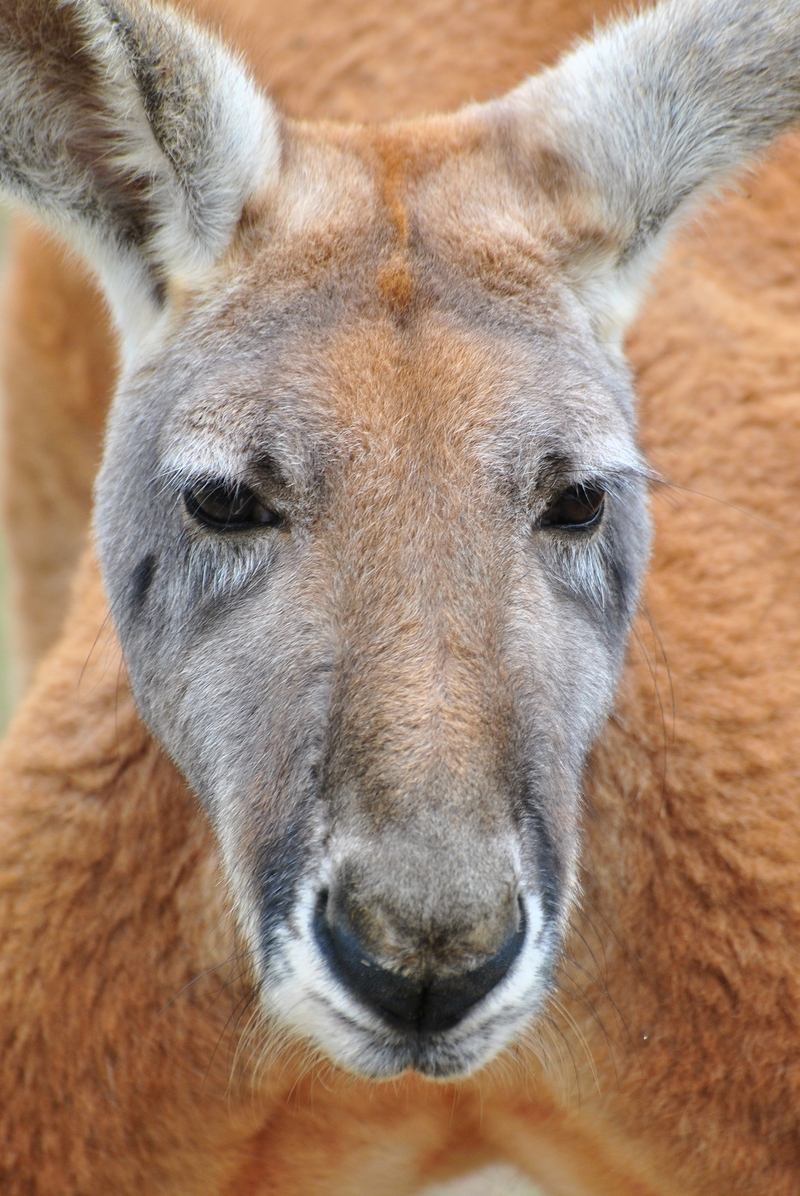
(257, 471)
(560, 469)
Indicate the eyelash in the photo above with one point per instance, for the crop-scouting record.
(226, 507)
(577, 508)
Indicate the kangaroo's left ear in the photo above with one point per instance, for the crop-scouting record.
(626, 134)
(135, 133)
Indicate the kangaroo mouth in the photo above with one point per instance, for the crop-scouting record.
(378, 1022)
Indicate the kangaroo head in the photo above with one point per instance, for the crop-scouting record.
(382, 537)
(372, 516)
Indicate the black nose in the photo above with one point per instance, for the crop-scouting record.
(431, 1004)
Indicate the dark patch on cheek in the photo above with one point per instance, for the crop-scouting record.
(141, 580)
(281, 866)
(623, 586)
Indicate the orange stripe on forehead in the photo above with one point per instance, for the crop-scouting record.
(396, 281)
(402, 154)
(393, 163)
(395, 278)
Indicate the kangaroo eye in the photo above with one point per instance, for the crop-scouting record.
(228, 508)
(577, 507)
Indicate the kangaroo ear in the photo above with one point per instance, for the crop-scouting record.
(134, 133)
(632, 129)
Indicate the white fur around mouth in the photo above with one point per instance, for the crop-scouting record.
(302, 995)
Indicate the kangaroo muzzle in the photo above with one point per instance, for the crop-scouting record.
(423, 928)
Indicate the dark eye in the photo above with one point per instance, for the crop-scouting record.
(577, 507)
(227, 507)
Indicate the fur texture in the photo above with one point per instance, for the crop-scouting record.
(662, 856)
(135, 134)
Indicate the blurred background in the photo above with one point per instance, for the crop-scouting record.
(5, 675)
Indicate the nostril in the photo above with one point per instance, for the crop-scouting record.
(389, 992)
(451, 997)
(433, 1004)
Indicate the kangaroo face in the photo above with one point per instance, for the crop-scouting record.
(371, 516)
(373, 527)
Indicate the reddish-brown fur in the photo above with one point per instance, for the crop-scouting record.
(675, 1037)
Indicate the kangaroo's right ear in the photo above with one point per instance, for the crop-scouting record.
(632, 129)
(133, 132)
